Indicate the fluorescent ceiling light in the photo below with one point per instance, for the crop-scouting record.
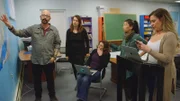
(178, 1)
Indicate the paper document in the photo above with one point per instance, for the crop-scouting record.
(63, 55)
(144, 57)
(114, 54)
(93, 71)
(26, 39)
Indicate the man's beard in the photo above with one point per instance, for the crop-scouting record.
(44, 21)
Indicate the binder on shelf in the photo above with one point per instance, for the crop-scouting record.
(87, 29)
(90, 36)
(147, 33)
(145, 21)
(145, 26)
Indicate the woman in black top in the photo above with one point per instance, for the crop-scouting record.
(77, 43)
(99, 58)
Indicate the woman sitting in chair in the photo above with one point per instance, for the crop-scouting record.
(98, 60)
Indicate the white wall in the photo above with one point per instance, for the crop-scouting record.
(27, 11)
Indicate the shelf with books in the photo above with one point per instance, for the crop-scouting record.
(145, 27)
(87, 24)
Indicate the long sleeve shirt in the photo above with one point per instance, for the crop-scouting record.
(131, 43)
(77, 43)
(103, 60)
(45, 43)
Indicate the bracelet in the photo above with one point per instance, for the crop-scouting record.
(54, 58)
(150, 50)
(10, 28)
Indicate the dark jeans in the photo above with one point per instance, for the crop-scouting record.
(151, 80)
(83, 84)
(37, 72)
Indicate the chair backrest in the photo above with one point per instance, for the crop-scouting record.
(103, 73)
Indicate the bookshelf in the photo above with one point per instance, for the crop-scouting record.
(87, 24)
(145, 27)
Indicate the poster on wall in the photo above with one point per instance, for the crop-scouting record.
(1, 45)
(4, 47)
(4, 39)
(11, 9)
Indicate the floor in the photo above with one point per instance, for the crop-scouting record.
(65, 84)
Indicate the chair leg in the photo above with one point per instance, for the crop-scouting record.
(102, 91)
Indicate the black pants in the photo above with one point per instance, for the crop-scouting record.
(37, 72)
(74, 71)
(130, 88)
(151, 80)
(78, 60)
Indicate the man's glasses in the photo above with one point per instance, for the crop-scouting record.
(47, 16)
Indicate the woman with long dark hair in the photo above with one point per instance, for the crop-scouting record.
(77, 43)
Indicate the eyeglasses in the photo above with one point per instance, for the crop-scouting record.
(43, 15)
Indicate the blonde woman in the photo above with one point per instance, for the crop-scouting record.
(161, 48)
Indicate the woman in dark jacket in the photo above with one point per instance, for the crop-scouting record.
(131, 30)
(77, 43)
(98, 60)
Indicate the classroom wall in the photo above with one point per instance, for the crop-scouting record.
(27, 11)
(179, 24)
(10, 70)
